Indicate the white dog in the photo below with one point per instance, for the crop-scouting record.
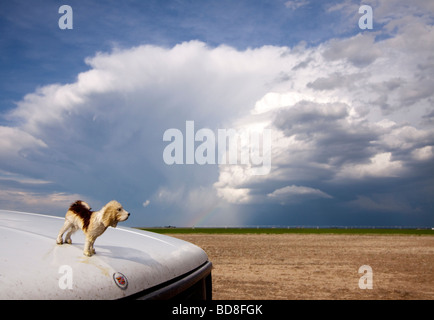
(93, 223)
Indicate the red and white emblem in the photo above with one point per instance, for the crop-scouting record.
(120, 280)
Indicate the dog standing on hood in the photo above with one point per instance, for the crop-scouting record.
(93, 223)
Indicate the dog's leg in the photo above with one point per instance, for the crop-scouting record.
(93, 248)
(68, 235)
(65, 227)
(88, 246)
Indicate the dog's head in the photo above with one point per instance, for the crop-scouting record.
(113, 213)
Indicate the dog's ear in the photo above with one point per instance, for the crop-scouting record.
(109, 216)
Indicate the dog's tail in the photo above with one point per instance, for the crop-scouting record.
(83, 210)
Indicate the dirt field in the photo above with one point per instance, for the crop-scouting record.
(318, 266)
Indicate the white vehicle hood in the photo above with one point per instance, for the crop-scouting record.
(33, 266)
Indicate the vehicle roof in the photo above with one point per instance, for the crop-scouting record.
(31, 261)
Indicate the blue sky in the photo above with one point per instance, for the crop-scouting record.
(83, 111)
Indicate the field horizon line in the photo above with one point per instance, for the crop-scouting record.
(289, 230)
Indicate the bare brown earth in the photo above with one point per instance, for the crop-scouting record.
(318, 266)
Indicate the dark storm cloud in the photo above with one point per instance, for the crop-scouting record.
(351, 117)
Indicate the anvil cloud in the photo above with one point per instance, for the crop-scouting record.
(351, 119)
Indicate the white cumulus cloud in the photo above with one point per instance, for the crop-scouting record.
(348, 109)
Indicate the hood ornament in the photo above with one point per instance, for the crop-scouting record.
(120, 280)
